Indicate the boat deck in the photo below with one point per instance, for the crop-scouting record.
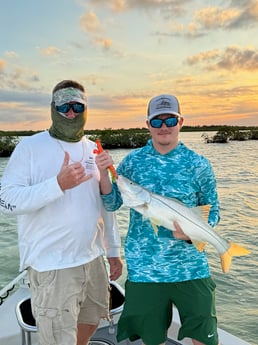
(103, 337)
(10, 332)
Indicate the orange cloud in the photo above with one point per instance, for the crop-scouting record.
(232, 58)
(105, 43)
(89, 22)
(3, 65)
(213, 17)
(50, 51)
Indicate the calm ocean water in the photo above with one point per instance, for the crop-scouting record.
(236, 168)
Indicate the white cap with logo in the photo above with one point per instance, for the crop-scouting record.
(163, 104)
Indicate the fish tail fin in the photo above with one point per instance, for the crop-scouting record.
(233, 250)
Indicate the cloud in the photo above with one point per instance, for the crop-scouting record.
(50, 51)
(174, 6)
(26, 97)
(11, 54)
(248, 15)
(18, 78)
(232, 58)
(24, 110)
(203, 57)
(241, 14)
(18, 117)
(104, 42)
(214, 17)
(93, 79)
(190, 30)
(114, 5)
(3, 65)
(89, 22)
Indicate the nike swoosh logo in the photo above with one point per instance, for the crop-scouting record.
(210, 335)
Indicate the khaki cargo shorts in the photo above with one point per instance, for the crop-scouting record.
(62, 298)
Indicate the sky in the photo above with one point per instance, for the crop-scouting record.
(126, 51)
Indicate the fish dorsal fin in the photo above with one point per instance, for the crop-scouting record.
(203, 211)
(206, 211)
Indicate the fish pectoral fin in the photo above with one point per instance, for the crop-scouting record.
(233, 250)
(199, 245)
(155, 228)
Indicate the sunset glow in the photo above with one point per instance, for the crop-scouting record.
(124, 52)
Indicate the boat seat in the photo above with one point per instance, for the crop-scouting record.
(117, 299)
(27, 322)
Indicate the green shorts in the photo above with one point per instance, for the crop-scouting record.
(147, 312)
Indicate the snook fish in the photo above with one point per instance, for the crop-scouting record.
(163, 211)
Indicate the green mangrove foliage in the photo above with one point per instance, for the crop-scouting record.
(226, 134)
(121, 138)
(136, 137)
(7, 145)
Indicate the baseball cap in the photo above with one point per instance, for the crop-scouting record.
(163, 104)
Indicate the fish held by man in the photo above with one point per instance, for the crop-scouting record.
(163, 211)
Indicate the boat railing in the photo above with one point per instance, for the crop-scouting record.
(21, 279)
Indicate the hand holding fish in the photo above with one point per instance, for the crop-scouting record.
(179, 234)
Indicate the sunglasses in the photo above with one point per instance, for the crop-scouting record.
(169, 122)
(64, 108)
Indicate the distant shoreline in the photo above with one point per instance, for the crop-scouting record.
(136, 137)
(204, 128)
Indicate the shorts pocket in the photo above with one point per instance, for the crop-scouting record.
(45, 324)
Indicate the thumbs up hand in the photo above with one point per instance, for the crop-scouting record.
(71, 175)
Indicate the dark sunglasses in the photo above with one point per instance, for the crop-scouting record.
(64, 108)
(169, 122)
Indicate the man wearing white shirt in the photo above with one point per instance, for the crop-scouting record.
(51, 183)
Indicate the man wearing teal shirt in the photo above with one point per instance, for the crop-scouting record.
(165, 268)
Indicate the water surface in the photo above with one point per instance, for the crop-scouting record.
(236, 168)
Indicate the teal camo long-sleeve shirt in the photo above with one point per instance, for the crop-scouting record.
(181, 174)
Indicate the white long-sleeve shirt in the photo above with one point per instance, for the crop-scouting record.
(56, 229)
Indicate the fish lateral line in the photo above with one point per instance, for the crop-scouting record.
(162, 212)
(192, 209)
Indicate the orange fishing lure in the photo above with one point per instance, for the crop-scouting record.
(111, 167)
